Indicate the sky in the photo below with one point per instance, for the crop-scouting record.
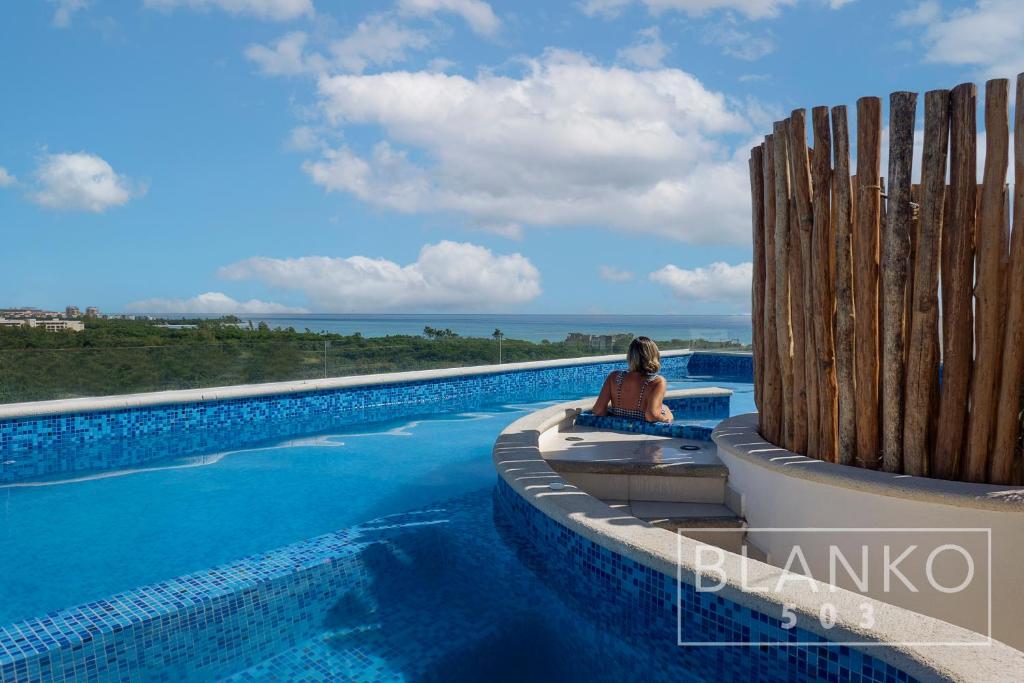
(588, 156)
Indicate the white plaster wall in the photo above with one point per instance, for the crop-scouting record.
(784, 490)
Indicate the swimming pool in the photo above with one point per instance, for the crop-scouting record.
(412, 570)
(91, 534)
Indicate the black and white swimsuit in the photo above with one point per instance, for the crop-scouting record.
(638, 412)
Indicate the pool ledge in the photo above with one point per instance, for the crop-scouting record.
(518, 460)
(160, 398)
(738, 436)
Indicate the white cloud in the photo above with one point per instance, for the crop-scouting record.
(65, 11)
(478, 14)
(570, 142)
(210, 303)
(924, 13)
(303, 139)
(274, 10)
(81, 181)
(286, 57)
(718, 282)
(986, 36)
(378, 40)
(648, 52)
(7, 179)
(739, 43)
(445, 276)
(613, 274)
(752, 9)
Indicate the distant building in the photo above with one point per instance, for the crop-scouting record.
(72, 311)
(92, 312)
(27, 312)
(60, 325)
(48, 324)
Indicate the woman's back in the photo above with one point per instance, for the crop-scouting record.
(632, 394)
(636, 394)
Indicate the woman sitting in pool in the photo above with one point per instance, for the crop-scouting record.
(638, 393)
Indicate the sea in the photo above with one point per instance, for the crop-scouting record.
(530, 327)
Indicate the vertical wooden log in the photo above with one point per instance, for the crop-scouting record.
(757, 284)
(957, 281)
(1008, 415)
(824, 300)
(915, 228)
(799, 328)
(991, 243)
(922, 359)
(865, 280)
(773, 374)
(783, 317)
(845, 338)
(799, 162)
(899, 217)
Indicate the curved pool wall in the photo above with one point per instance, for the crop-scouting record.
(46, 438)
(222, 620)
(652, 572)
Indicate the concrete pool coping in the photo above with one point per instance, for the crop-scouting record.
(738, 436)
(518, 459)
(224, 393)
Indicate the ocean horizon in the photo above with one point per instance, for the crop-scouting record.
(529, 327)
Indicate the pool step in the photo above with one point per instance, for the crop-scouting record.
(711, 523)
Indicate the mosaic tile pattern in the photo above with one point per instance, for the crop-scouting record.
(625, 424)
(709, 409)
(37, 447)
(644, 605)
(735, 366)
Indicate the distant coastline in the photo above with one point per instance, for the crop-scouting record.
(528, 327)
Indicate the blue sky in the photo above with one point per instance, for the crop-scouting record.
(426, 155)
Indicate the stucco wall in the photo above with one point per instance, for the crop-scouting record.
(787, 491)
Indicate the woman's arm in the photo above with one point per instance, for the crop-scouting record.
(656, 410)
(604, 398)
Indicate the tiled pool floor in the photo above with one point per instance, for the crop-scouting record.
(457, 596)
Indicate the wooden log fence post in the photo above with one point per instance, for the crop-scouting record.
(845, 338)
(773, 398)
(757, 294)
(896, 252)
(991, 244)
(865, 253)
(957, 284)
(799, 162)
(799, 328)
(923, 345)
(1008, 417)
(783, 309)
(824, 300)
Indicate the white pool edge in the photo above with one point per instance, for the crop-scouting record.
(177, 396)
(518, 460)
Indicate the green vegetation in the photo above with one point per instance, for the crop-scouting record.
(125, 356)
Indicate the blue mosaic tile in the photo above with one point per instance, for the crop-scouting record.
(735, 366)
(709, 409)
(36, 447)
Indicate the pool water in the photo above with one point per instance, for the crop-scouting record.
(451, 595)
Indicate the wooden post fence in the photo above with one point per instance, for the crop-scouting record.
(848, 280)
